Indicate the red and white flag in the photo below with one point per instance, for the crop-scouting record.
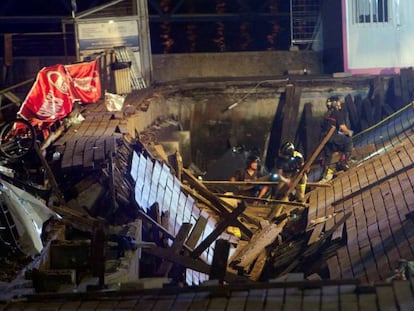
(50, 97)
(85, 81)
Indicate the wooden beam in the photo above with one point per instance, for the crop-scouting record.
(257, 182)
(220, 211)
(291, 111)
(192, 263)
(257, 244)
(242, 197)
(175, 248)
(13, 98)
(220, 257)
(221, 206)
(17, 85)
(221, 226)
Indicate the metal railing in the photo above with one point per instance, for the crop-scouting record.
(304, 21)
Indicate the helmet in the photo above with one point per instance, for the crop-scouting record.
(250, 159)
(287, 149)
(333, 102)
(274, 177)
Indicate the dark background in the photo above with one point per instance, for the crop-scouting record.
(175, 26)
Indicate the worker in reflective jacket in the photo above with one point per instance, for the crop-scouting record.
(288, 164)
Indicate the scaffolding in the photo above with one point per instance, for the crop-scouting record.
(304, 19)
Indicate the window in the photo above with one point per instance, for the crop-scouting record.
(371, 11)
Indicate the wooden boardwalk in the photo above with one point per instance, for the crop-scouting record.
(379, 194)
(289, 295)
(87, 144)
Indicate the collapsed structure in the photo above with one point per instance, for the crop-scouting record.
(124, 215)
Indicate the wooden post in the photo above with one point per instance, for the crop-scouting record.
(98, 254)
(49, 173)
(220, 257)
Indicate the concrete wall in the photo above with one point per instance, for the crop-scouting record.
(170, 67)
(202, 109)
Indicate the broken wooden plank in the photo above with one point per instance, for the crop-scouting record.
(314, 247)
(258, 266)
(175, 248)
(206, 197)
(316, 233)
(284, 254)
(338, 233)
(291, 111)
(221, 226)
(192, 263)
(197, 232)
(257, 244)
(333, 266)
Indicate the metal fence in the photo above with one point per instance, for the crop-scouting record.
(304, 20)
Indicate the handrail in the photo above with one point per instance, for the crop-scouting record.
(8, 89)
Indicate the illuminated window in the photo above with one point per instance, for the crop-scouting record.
(371, 11)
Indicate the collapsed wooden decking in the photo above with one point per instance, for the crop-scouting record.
(360, 228)
(379, 194)
(194, 219)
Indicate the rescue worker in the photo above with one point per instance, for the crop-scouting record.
(288, 164)
(251, 172)
(340, 141)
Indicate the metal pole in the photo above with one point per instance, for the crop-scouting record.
(291, 22)
(144, 42)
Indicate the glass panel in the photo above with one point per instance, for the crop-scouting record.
(371, 11)
(382, 11)
(363, 11)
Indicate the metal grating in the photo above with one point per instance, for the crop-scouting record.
(125, 54)
(304, 19)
